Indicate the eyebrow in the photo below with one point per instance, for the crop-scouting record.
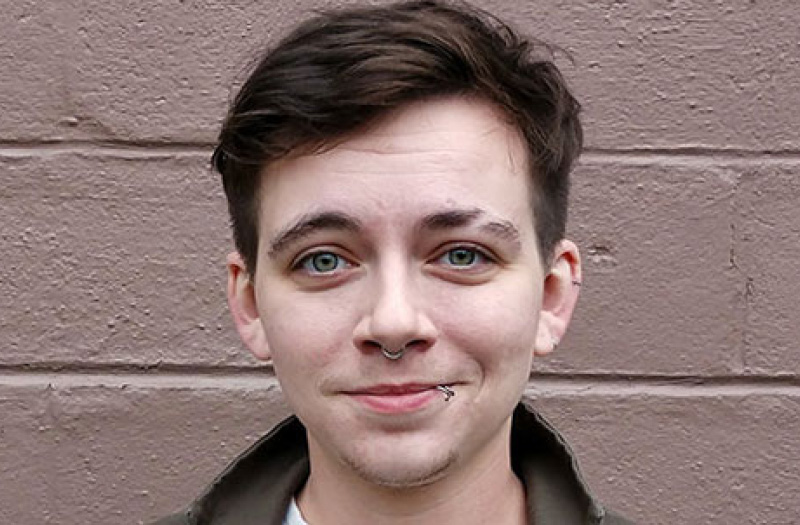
(308, 224)
(467, 217)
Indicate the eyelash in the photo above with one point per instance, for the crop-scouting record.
(481, 257)
(478, 252)
(308, 258)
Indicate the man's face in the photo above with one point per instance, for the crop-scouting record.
(419, 234)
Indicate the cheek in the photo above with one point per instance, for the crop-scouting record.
(495, 325)
(305, 334)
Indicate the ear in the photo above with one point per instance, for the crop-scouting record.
(242, 303)
(562, 286)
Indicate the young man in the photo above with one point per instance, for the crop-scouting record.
(397, 178)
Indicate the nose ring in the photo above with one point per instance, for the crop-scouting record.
(393, 356)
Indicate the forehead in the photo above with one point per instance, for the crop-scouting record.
(453, 152)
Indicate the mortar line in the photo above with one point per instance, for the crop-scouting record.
(541, 385)
(160, 148)
(682, 159)
(706, 152)
(159, 368)
(106, 144)
(79, 367)
(107, 149)
(169, 381)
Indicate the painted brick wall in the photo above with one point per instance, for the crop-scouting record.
(123, 388)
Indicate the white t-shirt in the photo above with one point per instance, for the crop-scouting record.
(293, 516)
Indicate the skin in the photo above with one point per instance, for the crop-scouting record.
(417, 233)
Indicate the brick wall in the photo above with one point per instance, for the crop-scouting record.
(123, 388)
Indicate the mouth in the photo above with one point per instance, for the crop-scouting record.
(395, 390)
(397, 399)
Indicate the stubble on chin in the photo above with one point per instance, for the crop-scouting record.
(393, 479)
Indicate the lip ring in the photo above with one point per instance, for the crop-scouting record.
(447, 391)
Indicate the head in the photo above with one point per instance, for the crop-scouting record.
(397, 178)
(339, 73)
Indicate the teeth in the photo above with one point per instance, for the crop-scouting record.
(447, 391)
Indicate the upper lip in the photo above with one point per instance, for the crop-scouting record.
(395, 389)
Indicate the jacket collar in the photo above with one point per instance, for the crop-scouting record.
(556, 491)
(257, 487)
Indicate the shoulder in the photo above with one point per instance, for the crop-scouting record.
(611, 518)
(260, 482)
(174, 519)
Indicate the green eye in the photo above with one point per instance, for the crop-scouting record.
(322, 262)
(462, 257)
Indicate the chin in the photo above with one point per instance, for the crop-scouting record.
(400, 472)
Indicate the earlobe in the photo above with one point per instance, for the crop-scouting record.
(559, 297)
(242, 303)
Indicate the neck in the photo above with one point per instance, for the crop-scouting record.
(485, 491)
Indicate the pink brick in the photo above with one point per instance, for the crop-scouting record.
(686, 457)
(37, 47)
(651, 74)
(119, 455)
(111, 260)
(119, 260)
(92, 454)
(660, 295)
(691, 74)
(90, 70)
(768, 255)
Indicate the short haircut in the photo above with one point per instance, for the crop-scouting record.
(342, 70)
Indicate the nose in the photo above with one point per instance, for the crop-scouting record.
(394, 319)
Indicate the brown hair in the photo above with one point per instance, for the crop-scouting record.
(342, 70)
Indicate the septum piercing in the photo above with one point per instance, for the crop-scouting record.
(393, 356)
(447, 391)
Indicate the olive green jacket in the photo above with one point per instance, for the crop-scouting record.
(258, 486)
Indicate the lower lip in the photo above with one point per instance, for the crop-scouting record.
(397, 403)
